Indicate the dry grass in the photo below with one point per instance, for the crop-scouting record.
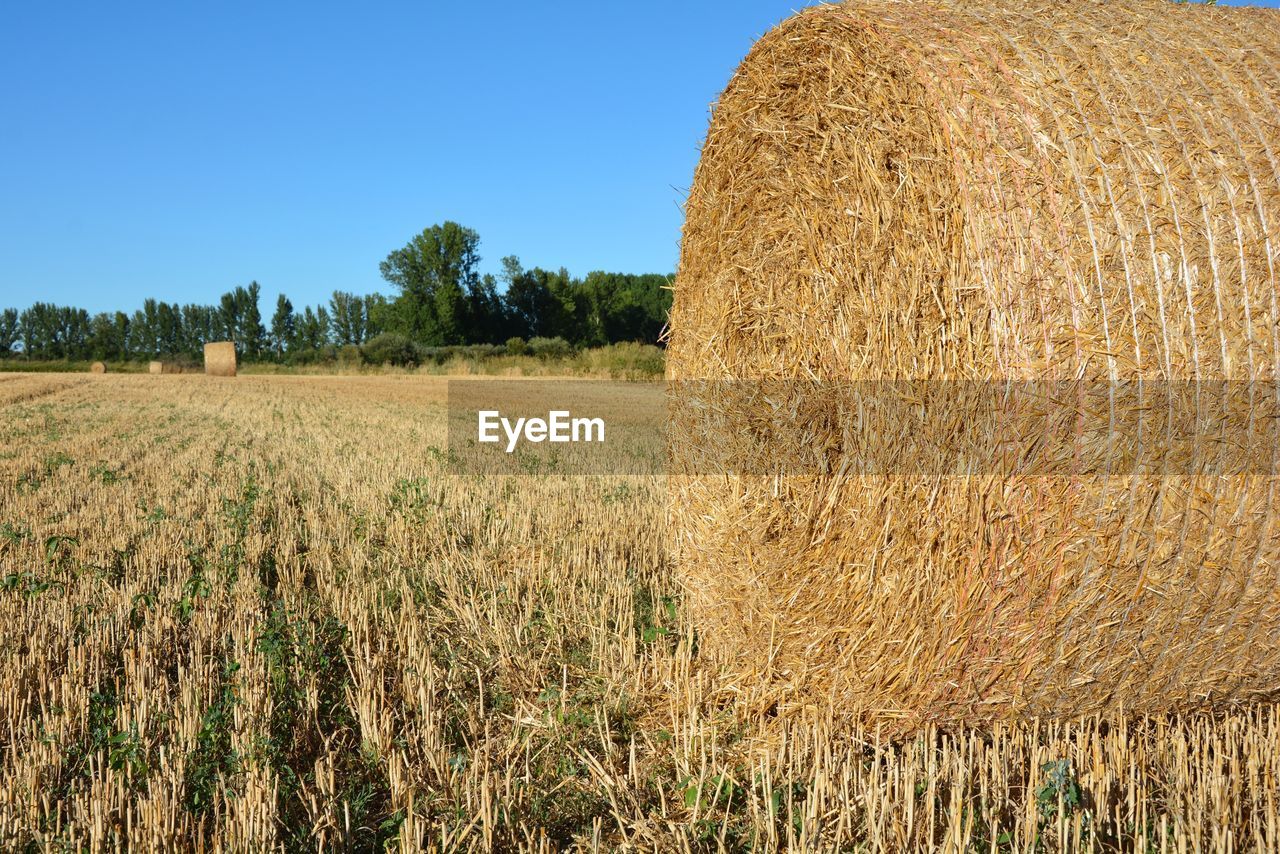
(985, 192)
(266, 616)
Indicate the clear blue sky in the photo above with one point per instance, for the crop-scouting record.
(175, 150)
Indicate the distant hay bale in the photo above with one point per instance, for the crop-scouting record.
(155, 368)
(97, 368)
(220, 359)
(1085, 194)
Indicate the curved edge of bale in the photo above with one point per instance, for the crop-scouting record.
(884, 179)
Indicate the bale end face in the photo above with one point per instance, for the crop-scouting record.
(156, 368)
(97, 368)
(220, 359)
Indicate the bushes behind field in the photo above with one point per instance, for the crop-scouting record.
(517, 356)
(395, 353)
(390, 348)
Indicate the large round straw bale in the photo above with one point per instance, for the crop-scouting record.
(97, 368)
(155, 368)
(220, 359)
(1081, 193)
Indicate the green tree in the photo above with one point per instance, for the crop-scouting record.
(253, 335)
(534, 300)
(199, 326)
(229, 316)
(284, 328)
(107, 338)
(350, 321)
(238, 319)
(324, 327)
(571, 310)
(451, 314)
(434, 272)
(312, 329)
(8, 330)
(379, 315)
(54, 332)
(146, 328)
(120, 333)
(626, 307)
(486, 313)
(169, 334)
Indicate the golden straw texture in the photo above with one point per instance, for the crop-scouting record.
(220, 359)
(97, 368)
(155, 368)
(1071, 192)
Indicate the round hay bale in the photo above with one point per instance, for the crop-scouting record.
(155, 368)
(220, 359)
(97, 368)
(961, 196)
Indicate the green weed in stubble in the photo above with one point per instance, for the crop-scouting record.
(123, 749)
(655, 616)
(28, 584)
(360, 521)
(106, 475)
(115, 568)
(284, 744)
(196, 586)
(618, 494)
(139, 606)
(126, 752)
(723, 804)
(238, 513)
(579, 709)
(58, 550)
(1058, 797)
(974, 815)
(35, 478)
(412, 497)
(15, 534)
(1059, 785)
(213, 763)
(152, 514)
(52, 429)
(305, 655)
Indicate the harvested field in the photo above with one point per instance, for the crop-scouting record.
(265, 616)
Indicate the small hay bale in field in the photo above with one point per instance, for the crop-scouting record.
(155, 368)
(962, 196)
(220, 359)
(97, 368)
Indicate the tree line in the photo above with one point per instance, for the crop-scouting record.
(441, 301)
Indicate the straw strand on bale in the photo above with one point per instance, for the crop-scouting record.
(1083, 193)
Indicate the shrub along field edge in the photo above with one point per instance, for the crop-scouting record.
(554, 358)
